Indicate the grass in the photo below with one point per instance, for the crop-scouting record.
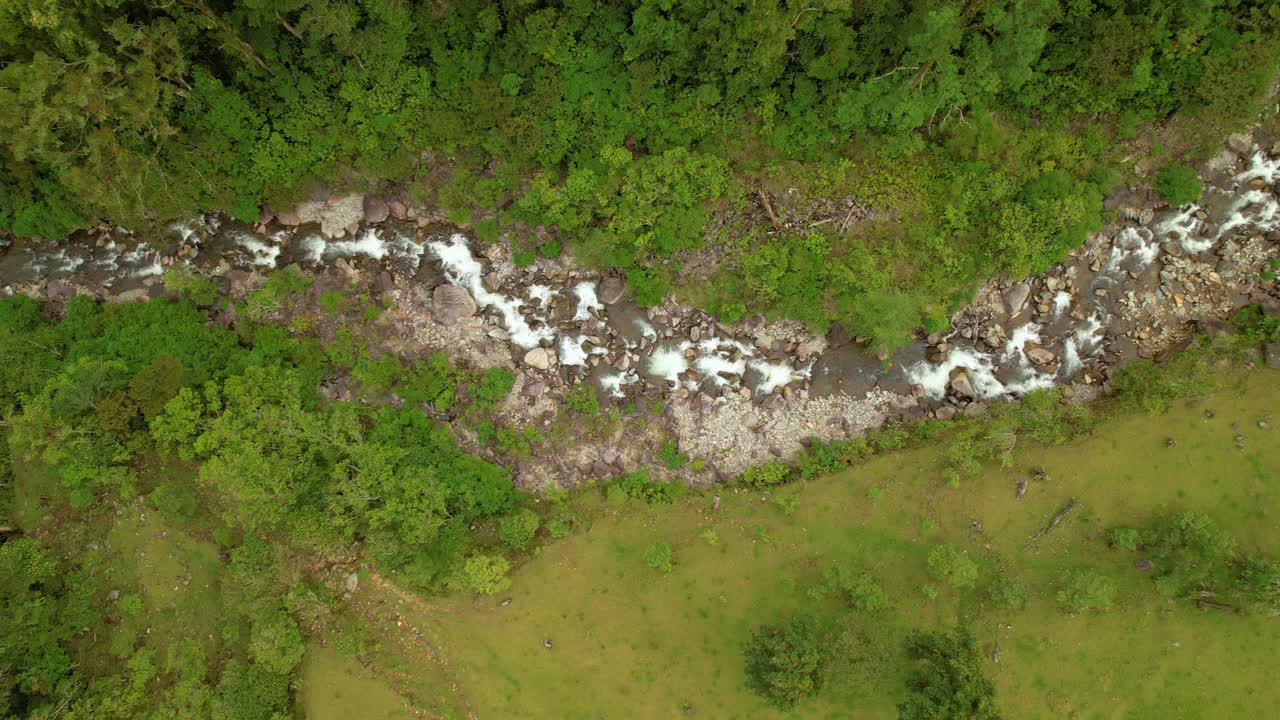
(631, 642)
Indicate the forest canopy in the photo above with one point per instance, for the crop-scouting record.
(982, 130)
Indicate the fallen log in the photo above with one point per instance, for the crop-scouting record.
(1207, 605)
(1062, 515)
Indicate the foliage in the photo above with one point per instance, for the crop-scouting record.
(1190, 552)
(770, 474)
(1086, 591)
(1178, 184)
(485, 574)
(658, 556)
(193, 288)
(518, 528)
(671, 456)
(1007, 592)
(947, 680)
(493, 386)
(950, 564)
(785, 663)
(859, 590)
(638, 485)
(582, 399)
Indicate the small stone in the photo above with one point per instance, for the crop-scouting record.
(961, 384)
(351, 582)
(1143, 565)
(1271, 355)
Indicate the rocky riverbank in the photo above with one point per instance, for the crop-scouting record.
(731, 395)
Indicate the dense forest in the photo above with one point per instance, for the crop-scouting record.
(984, 134)
(970, 139)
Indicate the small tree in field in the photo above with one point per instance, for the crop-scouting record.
(785, 663)
(947, 682)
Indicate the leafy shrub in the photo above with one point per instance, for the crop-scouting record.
(276, 643)
(1086, 591)
(1178, 184)
(671, 456)
(493, 386)
(1007, 592)
(197, 290)
(333, 302)
(946, 680)
(517, 529)
(950, 564)
(1190, 552)
(770, 474)
(639, 485)
(859, 591)
(658, 556)
(582, 399)
(1124, 539)
(485, 574)
(785, 663)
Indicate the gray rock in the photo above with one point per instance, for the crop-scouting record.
(538, 358)
(946, 412)
(534, 389)
(961, 384)
(351, 582)
(1241, 143)
(375, 209)
(398, 210)
(1223, 160)
(611, 290)
(1038, 355)
(451, 304)
(1271, 355)
(1016, 297)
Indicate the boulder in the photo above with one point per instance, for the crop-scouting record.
(1016, 297)
(538, 358)
(1241, 143)
(1271, 355)
(1038, 355)
(398, 210)
(375, 209)
(451, 304)
(611, 290)
(961, 384)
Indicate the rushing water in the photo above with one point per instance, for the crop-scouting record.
(619, 346)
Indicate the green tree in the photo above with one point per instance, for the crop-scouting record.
(785, 663)
(1178, 184)
(950, 564)
(947, 680)
(518, 528)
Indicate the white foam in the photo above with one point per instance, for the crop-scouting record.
(668, 362)
(612, 383)
(934, 378)
(462, 270)
(1061, 302)
(571, 352)
(542, 294)
(313, 246)
(261, 252)
(775, 375)
(647, 330)
(587, 300)
(710, 366)
(144, 261)
(370, 243)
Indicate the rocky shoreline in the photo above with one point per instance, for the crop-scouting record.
(730, 395)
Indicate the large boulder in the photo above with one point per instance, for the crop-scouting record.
(1271, 355)
(451, 304)
(1016, 297)
(538, 358)
(375, 209)
(611, 290)
(961, 384)
(1038, 355)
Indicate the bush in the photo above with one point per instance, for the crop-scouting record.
(517, 529)
(1087, 591)
(582, 399)
(671, 456)
(197, 290)
(770, 474)
(948, 563)
(638, 485)
(485, 574)
(1178, 184)
(276, 643)
(1124, 539)
(946, 682)
(1007, 592)
(493, 386)
(658, 556)
(785, 663)
(859, 591)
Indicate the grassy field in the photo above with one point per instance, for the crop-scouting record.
(631, 642)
